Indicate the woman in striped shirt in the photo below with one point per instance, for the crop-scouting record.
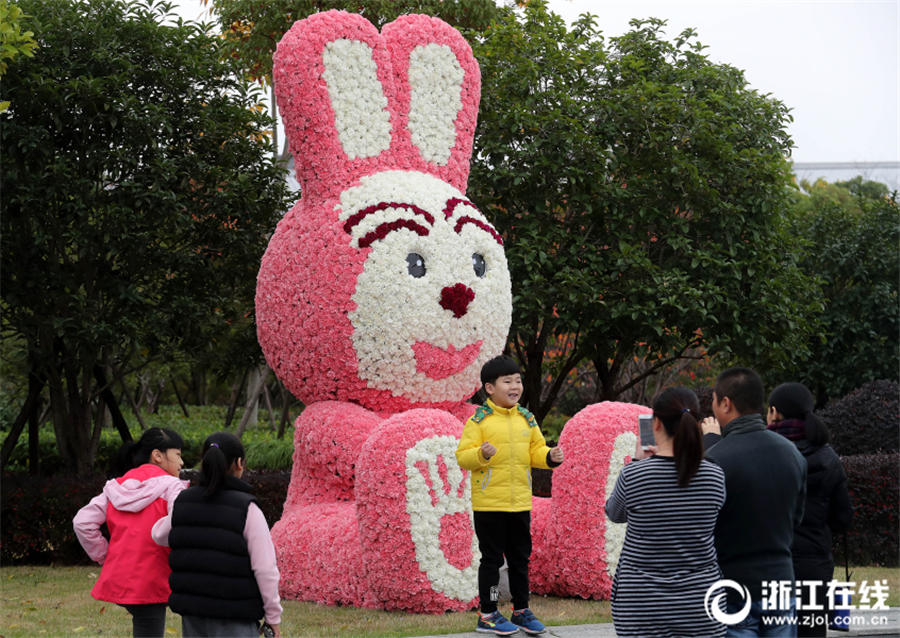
(670, 501)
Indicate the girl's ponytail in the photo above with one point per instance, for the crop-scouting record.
(679, 411)
(687, 447)
(220, 451)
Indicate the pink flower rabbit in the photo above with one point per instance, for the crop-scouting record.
(382, 293)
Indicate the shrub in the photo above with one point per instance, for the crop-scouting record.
(873, 538)
(273, 454)
(865, 421)
(36, 519)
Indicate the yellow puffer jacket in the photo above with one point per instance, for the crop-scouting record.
(502, 483)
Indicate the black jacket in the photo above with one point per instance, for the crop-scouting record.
(765, 483)
(827, 504)
(211, 573)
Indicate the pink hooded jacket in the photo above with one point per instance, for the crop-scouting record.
(135, 569)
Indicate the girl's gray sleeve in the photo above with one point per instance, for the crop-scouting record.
(616, 505)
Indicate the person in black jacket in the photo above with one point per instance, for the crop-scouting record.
(224, 573)
(827, 502)
(765, 485)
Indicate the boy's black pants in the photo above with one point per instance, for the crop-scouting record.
(503, 534)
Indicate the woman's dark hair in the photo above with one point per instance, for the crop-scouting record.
(679, 411)
(795, 401)
(135, 453)
(220, 451)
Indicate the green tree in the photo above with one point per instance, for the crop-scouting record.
(849, 233)
(138, 194)
(253, 28)
(13, 41)
(639, 188)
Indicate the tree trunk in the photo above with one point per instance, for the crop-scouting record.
(32, 400)
(70, 397)
(251, 403)
(128, 395)
(198, 382)
(110, 400)
(34, 434)
(178, 396)
(286, 400)
(235, 397)
(268, 397)
(250, 408)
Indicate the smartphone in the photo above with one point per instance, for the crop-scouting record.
(645, 423)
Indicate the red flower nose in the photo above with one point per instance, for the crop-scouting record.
(456, 299)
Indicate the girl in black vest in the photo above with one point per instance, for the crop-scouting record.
(224, 576)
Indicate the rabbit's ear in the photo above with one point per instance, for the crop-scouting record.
(332, 82)
(438, 87)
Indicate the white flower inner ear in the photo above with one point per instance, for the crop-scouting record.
(435, 81)
(357, 97)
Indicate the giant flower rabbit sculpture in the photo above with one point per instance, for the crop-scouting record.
(381, 294)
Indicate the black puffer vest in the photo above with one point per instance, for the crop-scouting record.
(211, 574)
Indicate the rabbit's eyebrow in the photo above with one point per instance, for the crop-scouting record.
(368, 210)
(482, 225)
(450, 209)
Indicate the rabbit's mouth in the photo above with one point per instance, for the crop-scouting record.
(439, 363)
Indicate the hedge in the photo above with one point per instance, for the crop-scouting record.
(36, 522)
(874, 486)
(36, 518)
(865, 421)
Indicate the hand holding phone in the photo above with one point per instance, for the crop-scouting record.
(645, 426)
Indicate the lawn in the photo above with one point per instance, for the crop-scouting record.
(56, 601)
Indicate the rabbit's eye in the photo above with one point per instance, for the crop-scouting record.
(415, 264)
(478, 264)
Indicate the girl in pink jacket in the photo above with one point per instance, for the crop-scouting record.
(135, 572)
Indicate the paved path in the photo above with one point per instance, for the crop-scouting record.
(863, 625)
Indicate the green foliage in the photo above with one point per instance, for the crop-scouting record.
(865, 420)
(138, 193)
(253, 28)
(270, 454)
(264, 450)
(849, 233)
(639, 189)
(13, 41)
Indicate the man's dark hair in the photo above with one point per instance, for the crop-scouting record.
(498, 367)
(745, 389)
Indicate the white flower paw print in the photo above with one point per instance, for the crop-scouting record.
(438, 503)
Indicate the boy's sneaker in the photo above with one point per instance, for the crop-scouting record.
(495, 623)
(527, 621)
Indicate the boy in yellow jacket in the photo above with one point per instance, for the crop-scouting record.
(499, 445)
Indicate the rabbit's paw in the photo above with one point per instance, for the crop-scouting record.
(319, 555)
(415, 516)
(328, 437)
(585, 545)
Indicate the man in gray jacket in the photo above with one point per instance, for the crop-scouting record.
(765, 482)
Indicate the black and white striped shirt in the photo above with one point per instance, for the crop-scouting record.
(668, 560)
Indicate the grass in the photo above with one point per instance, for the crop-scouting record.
(56, 601)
